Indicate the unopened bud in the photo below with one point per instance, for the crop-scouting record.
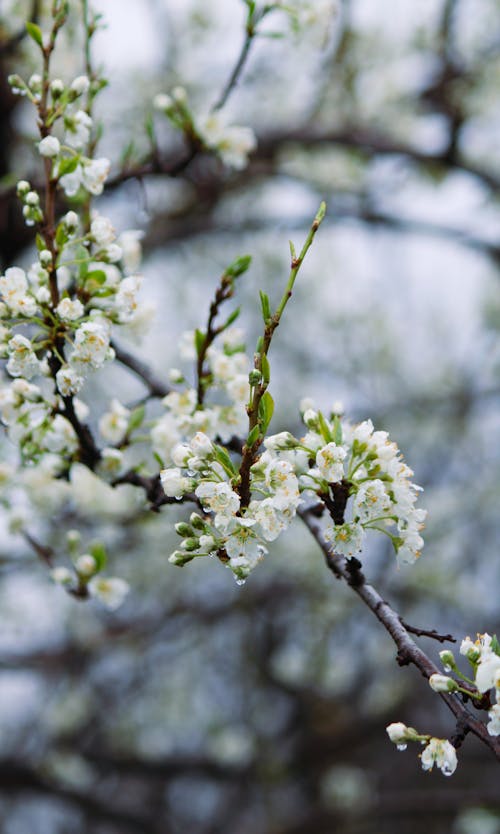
(57, 88)
(442, 683)
(86, 565)
(23, 187)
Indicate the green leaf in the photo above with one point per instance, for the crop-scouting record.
(97, 276)
(199, 340)
(231, 318)
(35, 33)
(61, 236)
(337, 430)
(266, 411)
(253, 436)
(98, 551)
(68, 165)
(239, 266)
(40, 243)
(266, 368)
(136, 418)
(149, 128)
(265, 305)
(104, 293)
(324, 428)
(495, 645)
(222, 456)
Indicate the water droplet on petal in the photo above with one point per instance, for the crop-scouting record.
(240, 581)
(401, 746)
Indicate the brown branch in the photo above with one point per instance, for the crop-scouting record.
(408, 651)
(46, 554)
(433, 634)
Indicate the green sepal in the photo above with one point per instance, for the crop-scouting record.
(230, 319)
(324, 428)
(61, 237)
(35, 33)
(104, 293)
(238, 266)
(266, 411)
(265, 305)
(98, 551)
(266, 368)
(337, 430)
(149, 128)
(97, 276)
(136, 418)
(222, 456)
(253, 436)
(199, 340)
(68, 165)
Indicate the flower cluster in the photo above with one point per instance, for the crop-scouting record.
(228, 368)
(362, 479)
(237, 534)
(85, 579)
(352, 469)
(483, 655)
(231, 143)
(438, 751)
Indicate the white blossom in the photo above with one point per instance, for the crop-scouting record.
(441, 753)
(68, 380)
(493, 725)
(70, 309)
(232, 143)
(111, 591)
(113, 425)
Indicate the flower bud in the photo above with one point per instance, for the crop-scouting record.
(35, 83)
(310, 418)
(448, 660)
(23, 187)
(49, 147)
(163, 102)
(190, 544)
(70, 220)
(183, 529)
(17, 85)
(32, 198)
(179, 558)
(442, 683)
(62, 576)
(254, 377)
(86, 565)
(179, 95)
(73, 538)
(57, 88)
(196, 521)
(80, 85)
(397, 732)
(45, 257)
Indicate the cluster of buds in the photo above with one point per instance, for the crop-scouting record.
(85, 579)
(483, 655)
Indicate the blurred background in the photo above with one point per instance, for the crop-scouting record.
(200, 706)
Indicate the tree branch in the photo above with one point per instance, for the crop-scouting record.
(408, 652)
